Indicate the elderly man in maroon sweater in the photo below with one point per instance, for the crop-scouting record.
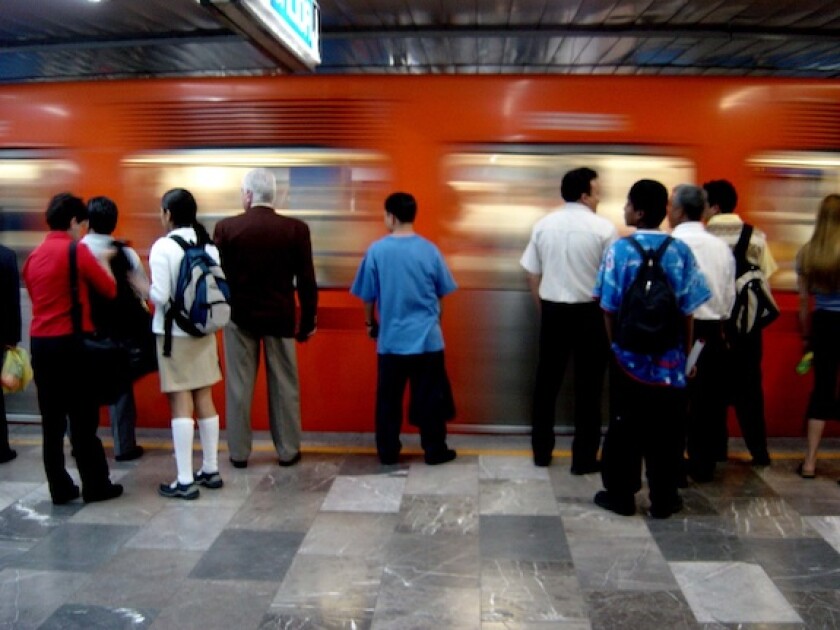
(267, 257)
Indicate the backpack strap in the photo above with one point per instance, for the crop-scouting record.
(648, 254)
(169, 315)
(740, 250)
(75, 302)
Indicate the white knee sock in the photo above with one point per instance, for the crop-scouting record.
(208, 431)
(182, 439)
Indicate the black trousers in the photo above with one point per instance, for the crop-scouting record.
(62, 398)
(430, 402)
(646, 422)
(746, 392)
(824, 403)
(570, 330)
(4, 426)
(707, 402)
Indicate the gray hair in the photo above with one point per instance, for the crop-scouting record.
(262, 185)
(692, 200)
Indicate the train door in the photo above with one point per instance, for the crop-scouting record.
(491, 322)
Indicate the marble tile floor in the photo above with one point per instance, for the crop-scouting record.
(488, 542)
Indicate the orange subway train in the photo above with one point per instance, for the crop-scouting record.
(484, 156)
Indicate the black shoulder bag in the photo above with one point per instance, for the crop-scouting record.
(104, 361)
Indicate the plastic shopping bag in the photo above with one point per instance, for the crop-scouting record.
(17, 371)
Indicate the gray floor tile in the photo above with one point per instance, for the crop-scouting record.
(316, 620)
(797, 564)
(446, 560)
(28, 598)
(517, 496)
(732, 592)
(402, 606)
(340, 541)
(435, 514)
(621, 564)
(277, 508)
(527, 538)
(72, 547)
(32, 521)
(457, 478)
(365, 493)
(350, 534)
(182, 526)
(818, 609)
(241, 554)
(324, 587)
(204, 604)
(612, 610)
(144, 579)
(87, 617)
(515, 591)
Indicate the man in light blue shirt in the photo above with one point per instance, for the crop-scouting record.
(404, 277)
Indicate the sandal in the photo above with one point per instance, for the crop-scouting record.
(800, 470)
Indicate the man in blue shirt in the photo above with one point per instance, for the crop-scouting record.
(648, 390)
(404, 276)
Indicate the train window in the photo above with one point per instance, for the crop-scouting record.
(786, 192)
(23, 176)
(498, 195)
(338, 193)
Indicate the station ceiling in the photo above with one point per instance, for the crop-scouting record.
(52, 40)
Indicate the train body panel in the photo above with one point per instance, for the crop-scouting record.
(484, 156)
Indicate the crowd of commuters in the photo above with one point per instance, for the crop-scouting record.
(668, 399)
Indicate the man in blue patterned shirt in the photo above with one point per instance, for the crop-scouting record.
(648, 395)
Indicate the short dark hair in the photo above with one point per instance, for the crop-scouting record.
(650, 197)
(722, 194)
(63, 208)
(577, 183)
(102, 215)
(402, 205)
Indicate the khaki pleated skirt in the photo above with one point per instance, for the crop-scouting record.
(194, 364)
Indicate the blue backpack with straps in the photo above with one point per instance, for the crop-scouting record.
(200, 304)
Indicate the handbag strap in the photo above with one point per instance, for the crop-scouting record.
(76, 305)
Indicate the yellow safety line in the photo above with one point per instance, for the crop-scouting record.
(371, 450)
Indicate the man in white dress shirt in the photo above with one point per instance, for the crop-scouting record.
(562, 260)
(706, 391)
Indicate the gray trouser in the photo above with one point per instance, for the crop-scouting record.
(242, 356)
(123, 416)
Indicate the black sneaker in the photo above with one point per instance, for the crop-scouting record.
(665, 511)
(7, 455)
(586, 469)
(239, 463)
(208, 480)
(136, 452)
(441, 458)
(605, 500)
(71, 494)
(111, 491)
(290, 462)
(175, 490)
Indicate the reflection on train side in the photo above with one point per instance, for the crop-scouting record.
(338, 193)
(27, 179)
(500, 195)
(787, 190)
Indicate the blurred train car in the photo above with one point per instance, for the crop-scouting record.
(483, 154)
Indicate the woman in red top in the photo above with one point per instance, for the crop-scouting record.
(56, 354)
